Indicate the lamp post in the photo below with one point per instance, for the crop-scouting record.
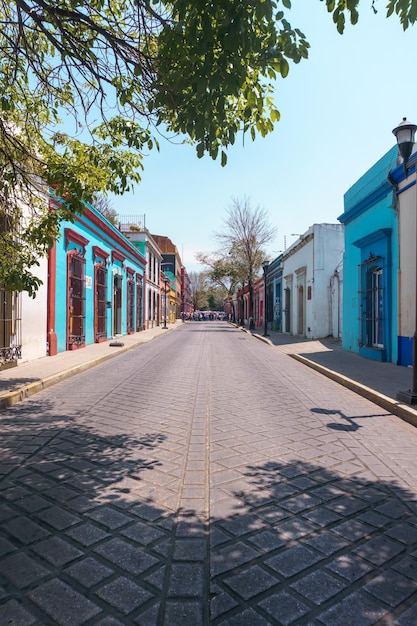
(265, 266)
(165, 279)
(404, 134)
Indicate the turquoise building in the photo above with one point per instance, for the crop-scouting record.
(95, 285)
(370, 303)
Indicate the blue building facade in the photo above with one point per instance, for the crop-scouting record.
(274, 294)
(96, 284)
(370, 303)
(403, 180)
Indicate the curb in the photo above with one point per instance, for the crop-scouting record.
(399, 409)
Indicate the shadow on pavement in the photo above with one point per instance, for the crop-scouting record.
(351, 425)
(86, 537)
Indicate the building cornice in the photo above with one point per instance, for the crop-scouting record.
(297, 246)
(367, 202)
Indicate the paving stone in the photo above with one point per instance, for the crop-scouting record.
(149, 617)
(188, 527)
(391, 587)
(63, 604)
(355, 610)
(147, 512)
(186, 579)
(61, 493)
(230, 557)
(110, 621)
(34, 503)
(13, 613)
(241, 525)
(15, 493)
(284, 607)
(267, 540)
(89, 572)
(126, 556)
(403, 532)
(348, 505)
(57, 551)
(293, 560)
(25, 530)
(220, 601)
(109, 517)
(319, 586)
(375, 519)
(251, 582)
(407, 566)
(379, 550)
(295, 528)
(124, 595)
(300, 502)
(246, 618)
(321, 516)
(408, 618)
(272, 514)
(327, 543)
(58, 518)
(190, 550)
(186, 613)
(350, 566)
(87, 534)
(218, 537)
(6, 512)
(6, 547)
(143, 533)
(82, 504)
(157, 578)
(394, 509)
(352, 530)
(22, 570)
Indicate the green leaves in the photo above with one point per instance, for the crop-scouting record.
(85, 86)
(405, 9)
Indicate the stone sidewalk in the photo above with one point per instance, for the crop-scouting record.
(376, 381)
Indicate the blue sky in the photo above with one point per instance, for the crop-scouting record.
(338, 109)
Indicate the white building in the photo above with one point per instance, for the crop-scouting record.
(23, 320)
(312, 283)
(133, 228)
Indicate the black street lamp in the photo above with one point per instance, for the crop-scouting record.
(265, 266)
(165, 279)
(404, 134)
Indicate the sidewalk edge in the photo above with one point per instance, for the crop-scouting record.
(393, 406)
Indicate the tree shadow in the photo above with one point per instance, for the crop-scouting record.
(91, 533)
(11, 384)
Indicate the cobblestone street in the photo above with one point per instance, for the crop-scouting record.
(206, 478)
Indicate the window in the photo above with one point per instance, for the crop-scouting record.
(376, 309)
(139, 314)
(130, 305)
(372, 305)
(100, 308)
(10, 327)
(76, 300)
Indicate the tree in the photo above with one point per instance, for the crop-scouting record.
(223, 271)
(247, 231)
(87, 85)
(198, 290)
(104, 206)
